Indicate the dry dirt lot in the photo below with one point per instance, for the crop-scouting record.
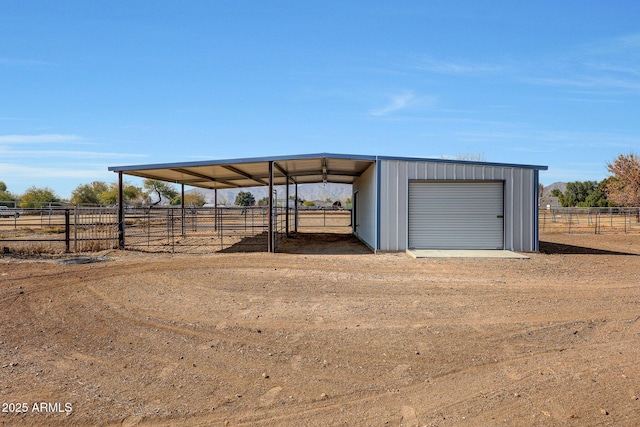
(311, 338)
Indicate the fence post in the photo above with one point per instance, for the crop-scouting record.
(67, 231)
(75, 229)
(121, 216)
(625, 222)
(569, 222)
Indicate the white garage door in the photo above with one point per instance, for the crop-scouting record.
(456, 215)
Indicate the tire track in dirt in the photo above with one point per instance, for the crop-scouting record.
(275, 416)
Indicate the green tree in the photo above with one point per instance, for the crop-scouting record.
(161, 189)
(582, 194)
(308, 203)
(245, 198)
(192, 199)
(263, 202)
(300, 201)
(35, 197)
(5, 195)
(130, 193)
(598, 197)
(623, 187)
(89, 193)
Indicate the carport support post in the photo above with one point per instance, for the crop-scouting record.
(120, 213)
(295, 211)
(215, 209)
(270, 247)
(286, 210)
(182, 210)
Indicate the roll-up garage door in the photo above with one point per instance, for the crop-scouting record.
(456, 215)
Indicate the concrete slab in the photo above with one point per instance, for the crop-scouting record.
(457, 253)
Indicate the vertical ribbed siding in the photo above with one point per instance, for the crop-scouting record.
(365, 186)
(520, 202)
(456, 214)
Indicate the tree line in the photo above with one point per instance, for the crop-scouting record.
(621, 188)
(152, 192)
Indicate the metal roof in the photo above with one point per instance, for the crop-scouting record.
(252, 172)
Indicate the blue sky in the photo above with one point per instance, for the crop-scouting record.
(87, 85)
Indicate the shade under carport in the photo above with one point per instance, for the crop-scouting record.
(250, 172)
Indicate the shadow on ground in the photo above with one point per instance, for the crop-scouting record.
(303, 243)
(323, 243)
(257, 243)
(562, 249)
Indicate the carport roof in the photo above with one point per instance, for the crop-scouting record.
(253, 172)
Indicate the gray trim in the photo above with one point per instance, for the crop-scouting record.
(378, 202)
(462, 162)
(536, 218)
(313, 156)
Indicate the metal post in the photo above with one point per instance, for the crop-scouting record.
(182, 211)
(286, 210)
(67, 231)
(569, 221)
(295, 210)
(121, 239)
(75, 229)
(215, 209)
(270, 247)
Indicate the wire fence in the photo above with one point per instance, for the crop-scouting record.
(56, 229)
(590, 220)
(59, 229)
(198, 229)
(328, 219)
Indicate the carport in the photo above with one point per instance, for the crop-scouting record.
(249, 172)
(399, 203)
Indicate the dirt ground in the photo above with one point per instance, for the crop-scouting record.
(315, 338)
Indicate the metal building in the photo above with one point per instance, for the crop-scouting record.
(399, 203)
(447, 204)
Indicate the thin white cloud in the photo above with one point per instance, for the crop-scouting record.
(615, 45)
(605, 82)
(20, 62)
(614, 68)
(607, 67)
(20, 171)
(548, 140)
(397, 102)
(39, 139)
(69, 154)
(402, 101)
(456, 68)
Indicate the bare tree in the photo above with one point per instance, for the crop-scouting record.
(162, 190)
(623, 188)
(472, 157)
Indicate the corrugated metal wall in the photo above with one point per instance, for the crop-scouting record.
(365, 221)
(456, 214)
(520, 204)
